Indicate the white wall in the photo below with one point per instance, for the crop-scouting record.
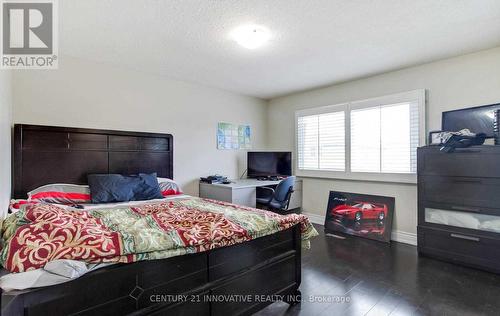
(5, 138)
(459, 82)
(92, 95)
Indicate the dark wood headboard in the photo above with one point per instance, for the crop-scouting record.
(47, 154)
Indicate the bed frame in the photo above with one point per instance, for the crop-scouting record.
(255, 272)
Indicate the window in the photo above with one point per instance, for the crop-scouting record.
(321, 141)
(385, 138)
(373, 139)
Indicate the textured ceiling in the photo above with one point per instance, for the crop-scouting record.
(314, 43)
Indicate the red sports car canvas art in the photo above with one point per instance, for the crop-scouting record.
(361, 215)
(360, 211)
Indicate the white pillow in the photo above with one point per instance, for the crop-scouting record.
(169, 187)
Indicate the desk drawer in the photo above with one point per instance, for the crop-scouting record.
(461, 191)
(473, 162)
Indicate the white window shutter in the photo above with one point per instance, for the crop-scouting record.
(332, 141)
(384, 138)
(307, 136)
(321, 141)
(365, 140)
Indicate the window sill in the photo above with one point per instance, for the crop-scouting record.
(403, 178)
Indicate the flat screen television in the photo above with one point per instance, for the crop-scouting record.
(478, 119)
(269, 164)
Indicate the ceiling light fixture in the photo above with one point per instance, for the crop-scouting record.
(251, 36)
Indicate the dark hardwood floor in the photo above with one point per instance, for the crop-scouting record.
(379, 279)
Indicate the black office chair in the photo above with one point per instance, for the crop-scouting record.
(276, 200)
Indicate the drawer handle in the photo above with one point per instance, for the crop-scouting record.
(465, 237)
(466, 209)
(464, 150)
(468, 181)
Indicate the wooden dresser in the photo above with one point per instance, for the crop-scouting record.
(459, 205)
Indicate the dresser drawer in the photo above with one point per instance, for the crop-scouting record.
(460, 219)
(479, 161)
(464, 248)
(460, 192)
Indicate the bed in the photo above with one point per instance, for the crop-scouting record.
(257, 272)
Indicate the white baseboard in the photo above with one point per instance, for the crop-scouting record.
(404, 237)
(315, 219)
(396, 235)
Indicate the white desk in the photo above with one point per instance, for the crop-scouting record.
(243, 192)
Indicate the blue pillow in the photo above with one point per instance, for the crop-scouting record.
(148, 189)
(107, 188)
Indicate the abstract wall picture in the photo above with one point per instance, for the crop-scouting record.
(232, 136)
(367, 216)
